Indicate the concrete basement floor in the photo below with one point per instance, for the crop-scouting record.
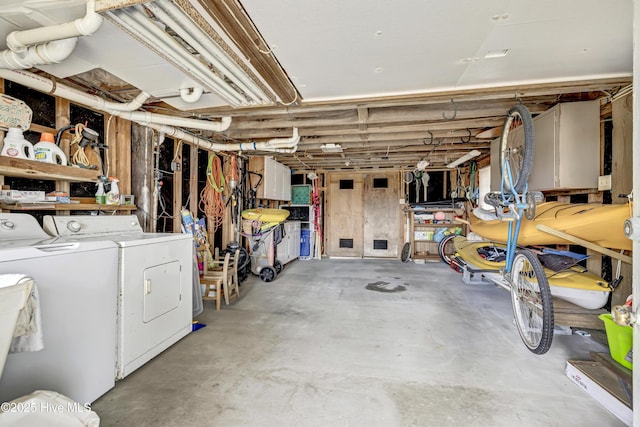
(317, 348)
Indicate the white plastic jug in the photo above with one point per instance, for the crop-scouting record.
(16, 146)
(48, 152)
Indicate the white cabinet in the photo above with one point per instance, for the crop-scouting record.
(276, 179)
(567, 148)
(289, 247)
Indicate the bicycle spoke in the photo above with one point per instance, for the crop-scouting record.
(532, 305)
(516, 149)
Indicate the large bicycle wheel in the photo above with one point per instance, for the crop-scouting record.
(516, 146)
(532, 305)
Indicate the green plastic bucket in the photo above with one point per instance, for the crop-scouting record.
(620, 340)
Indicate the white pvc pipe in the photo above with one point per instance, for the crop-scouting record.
(173, 16)
(136, 21)
(147, 117)
(47, 53)
(279, 145)
(42, 84)
(46, 85)
(191, 95)
(18, 41)
(285, 142)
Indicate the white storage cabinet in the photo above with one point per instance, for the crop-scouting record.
(289, 247)
(567, 148)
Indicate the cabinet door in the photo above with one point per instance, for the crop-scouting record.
(286, 183)
(276, 191)
(269, 180)
(381, 215)
(294, 236)
(276, 181)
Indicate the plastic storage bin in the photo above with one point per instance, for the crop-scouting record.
(305, 244)
(620, 340)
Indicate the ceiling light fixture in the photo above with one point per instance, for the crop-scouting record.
(497, 53)
(331, 148)
(470, 155)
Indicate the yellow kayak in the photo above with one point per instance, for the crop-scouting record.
(266, 218)
(265, 214)
(596, 223)
(575, 284)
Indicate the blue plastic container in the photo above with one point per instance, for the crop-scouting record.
(305, 243)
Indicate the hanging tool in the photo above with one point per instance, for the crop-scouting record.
(418, 175)
(424, 177)
(253, 191)
(425, 184)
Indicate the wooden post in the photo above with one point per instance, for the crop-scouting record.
(594, 262)
(227, 223)
(622, 177)
(193, 180)
(120, 145)
(177, 186)
(141, 175)
(63, 113)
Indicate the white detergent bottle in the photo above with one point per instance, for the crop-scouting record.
(16, 146)
(100, 197)
(113, 196)
(47, 151)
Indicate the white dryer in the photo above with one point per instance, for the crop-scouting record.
(154, 283)
(77, 286)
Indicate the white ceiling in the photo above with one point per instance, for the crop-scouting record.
(337, 49)
(351, 59)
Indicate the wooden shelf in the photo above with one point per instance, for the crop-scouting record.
(80, 204)
(44, 206)
(427, 249)
(39, 170)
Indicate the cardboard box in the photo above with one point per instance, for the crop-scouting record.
(579, 374)
(17, 196)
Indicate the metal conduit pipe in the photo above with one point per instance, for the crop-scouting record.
(136, 20)
(19, 40)
(175, 18)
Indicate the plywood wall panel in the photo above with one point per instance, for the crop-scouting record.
(382, 214)
(344, 219)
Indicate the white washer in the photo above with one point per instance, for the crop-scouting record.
(155, 283)
(77, 286)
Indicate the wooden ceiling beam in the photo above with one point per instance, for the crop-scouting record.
(363, 118)
(592, 88)
(341, 130)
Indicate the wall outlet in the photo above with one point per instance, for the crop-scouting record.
(604, 183)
